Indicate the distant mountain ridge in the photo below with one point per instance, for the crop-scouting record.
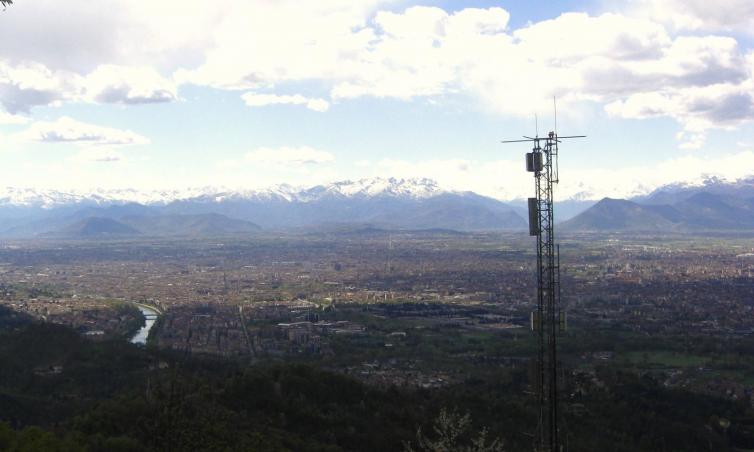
(95, 227)
(391, 203)
(669, 194)
(154, 226)
(381, 203)
(210, 224)
(415, 188)
(18, 197)
(697, 211)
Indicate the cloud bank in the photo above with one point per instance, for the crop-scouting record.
(659, 58)
(645, 59)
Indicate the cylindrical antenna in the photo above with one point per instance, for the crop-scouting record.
(555, 110)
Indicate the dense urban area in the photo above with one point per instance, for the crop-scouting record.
(438, 320)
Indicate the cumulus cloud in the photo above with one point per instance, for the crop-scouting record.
(698, 108)
(426, 52)
(24, 86)
(261, 43)
(701, 82)
(289, 156)
(253, 99)
(68, 130)
(128, 85)
(639, 63)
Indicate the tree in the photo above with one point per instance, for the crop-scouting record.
(451, 434)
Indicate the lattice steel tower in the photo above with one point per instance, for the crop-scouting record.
(547, 321)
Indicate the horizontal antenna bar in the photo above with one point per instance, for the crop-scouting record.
(541, 138)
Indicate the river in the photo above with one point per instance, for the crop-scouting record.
(151, 317)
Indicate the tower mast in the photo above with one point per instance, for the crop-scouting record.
(547, 321)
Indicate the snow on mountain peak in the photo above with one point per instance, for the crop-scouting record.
(363, 188)
(410, 188)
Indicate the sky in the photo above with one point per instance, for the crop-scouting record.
(247, 94)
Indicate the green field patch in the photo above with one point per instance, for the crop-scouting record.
(664, 359)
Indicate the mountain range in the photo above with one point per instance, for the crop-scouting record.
(378, 203)
(714, 205)
(382, 203)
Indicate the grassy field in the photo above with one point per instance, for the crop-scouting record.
(665, 359)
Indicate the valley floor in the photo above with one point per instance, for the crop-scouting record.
(257, 335)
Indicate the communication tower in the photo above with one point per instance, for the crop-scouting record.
(547, 321)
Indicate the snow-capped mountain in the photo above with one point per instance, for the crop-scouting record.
(704, 204)
(416, 188)
(381, 202)
(28, 197)
(388, 203)
(364, 188)
(741, 189)
(48, 199)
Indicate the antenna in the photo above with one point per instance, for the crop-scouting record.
(536, 126)
(546, 319)
(555, 110)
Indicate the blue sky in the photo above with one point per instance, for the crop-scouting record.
(247, 94)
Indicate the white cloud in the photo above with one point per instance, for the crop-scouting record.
(720, 15)
(24, 86)
(621, 62)
(128, 85)
(68, 130)
(289, 156)
(261, 43)
(319, 105)
(78, 36)
(696, 108)
(231, 43)
(625, 61)
(423, 51)
(8, 119)
(260, 100)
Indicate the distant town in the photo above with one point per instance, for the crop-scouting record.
(407, 309)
